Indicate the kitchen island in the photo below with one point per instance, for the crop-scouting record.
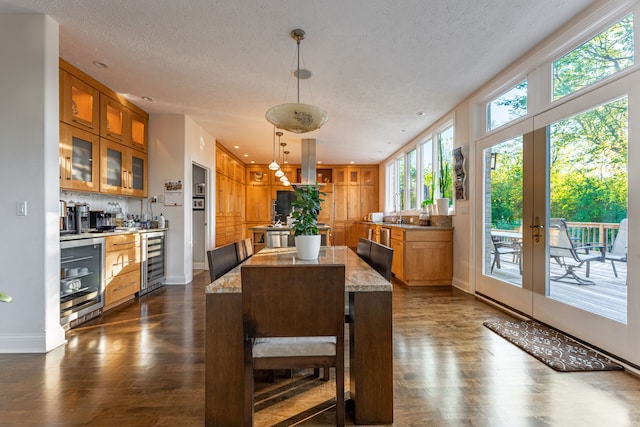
(370, 338)
(280, 236)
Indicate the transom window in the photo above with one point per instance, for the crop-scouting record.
(508, 106)
(606, 54)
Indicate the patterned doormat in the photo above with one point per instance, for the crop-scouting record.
(551, 347)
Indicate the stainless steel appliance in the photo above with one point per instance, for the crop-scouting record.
(153, 261)
(81, 218)
(101, 221)
(81, 280)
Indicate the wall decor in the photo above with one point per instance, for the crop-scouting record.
(459, 182)
(199, 189)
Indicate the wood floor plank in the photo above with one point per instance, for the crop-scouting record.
(142, 364)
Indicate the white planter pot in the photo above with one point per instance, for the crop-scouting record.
(443, 206)
(308, 247)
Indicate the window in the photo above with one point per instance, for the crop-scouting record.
(608, 53)
(427, 171)
(507, 107)
(445, 162)
(413, 179)
(422, 174)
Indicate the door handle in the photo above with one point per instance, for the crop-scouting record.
(536, 227)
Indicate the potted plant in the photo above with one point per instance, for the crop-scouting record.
(305, 221)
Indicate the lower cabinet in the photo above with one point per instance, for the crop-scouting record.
(122, 268)
(422, 255)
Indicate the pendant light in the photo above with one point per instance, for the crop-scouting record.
(279, 172)
(274, 166)
(297, 117)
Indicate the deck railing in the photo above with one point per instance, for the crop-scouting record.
(594, 233)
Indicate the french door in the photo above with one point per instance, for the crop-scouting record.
(544, 240)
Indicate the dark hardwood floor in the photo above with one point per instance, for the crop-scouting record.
(142, 364)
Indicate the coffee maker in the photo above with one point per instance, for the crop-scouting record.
(81, 214)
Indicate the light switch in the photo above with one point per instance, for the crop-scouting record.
(21, 208)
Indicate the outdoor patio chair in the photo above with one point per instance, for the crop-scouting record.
(501, 247)
(618, 251)
(562, 248)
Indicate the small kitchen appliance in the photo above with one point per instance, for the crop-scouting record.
(81, 218)
(101, 221)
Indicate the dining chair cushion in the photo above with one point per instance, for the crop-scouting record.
(294, 346)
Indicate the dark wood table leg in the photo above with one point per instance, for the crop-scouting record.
(224, 375)
(371, 357)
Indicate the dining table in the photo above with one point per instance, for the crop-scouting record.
(370, 364)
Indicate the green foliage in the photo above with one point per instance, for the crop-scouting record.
(307, 207)
(445, 181)
(5, 298)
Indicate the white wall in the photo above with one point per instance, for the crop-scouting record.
(30, 255)
(175, 143)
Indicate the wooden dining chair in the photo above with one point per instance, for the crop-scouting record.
(293, 317)
(381, 258)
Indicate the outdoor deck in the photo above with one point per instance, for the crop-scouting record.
(608, 297)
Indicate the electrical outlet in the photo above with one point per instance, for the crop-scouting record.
(160, 198)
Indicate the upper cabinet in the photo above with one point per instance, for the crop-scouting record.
(114, 120)
(78, 159)
(79, 103)
(139, 131)
(103, 137)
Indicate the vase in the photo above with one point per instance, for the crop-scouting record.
(308, 247)
(443, 206)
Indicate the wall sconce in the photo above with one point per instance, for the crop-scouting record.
(494, 160)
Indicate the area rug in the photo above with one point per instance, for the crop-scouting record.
(551, 347)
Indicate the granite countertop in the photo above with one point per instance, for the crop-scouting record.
(283, 228)
(407, 226)
(116, 232)
(360, 277)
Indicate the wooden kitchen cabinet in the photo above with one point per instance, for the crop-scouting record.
(79, 103)
(122, 268)
(139, 128)
(114, 120)
(123, 171)
(79, 151)
(258, 203)
(422, 255)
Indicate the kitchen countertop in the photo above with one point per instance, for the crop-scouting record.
(283, 228)
(406, 226)
(116, 232)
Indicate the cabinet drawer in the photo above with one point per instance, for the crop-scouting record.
(397, 233)
(122, 286)
(121, 262)
(125, 241)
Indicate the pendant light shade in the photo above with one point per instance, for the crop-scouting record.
(297, 117)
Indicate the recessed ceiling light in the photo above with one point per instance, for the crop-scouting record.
(100, 64)
(352, 162)
(301, 74)
(147, 98)
(420, 113)
(319, 161)
(253, 161)
(246, 155)
(403, 130)
(236, 146)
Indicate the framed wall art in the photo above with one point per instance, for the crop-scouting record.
(198, 203)
(460, 174)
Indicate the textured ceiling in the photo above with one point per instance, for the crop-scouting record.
(375, 63)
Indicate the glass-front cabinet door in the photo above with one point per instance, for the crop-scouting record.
(79, 103)
(114, 119)
(123, 170)
(78, 159)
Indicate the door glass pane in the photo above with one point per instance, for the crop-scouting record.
(586, 239)
(81, 161)
(114, 167)
(503, 211)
